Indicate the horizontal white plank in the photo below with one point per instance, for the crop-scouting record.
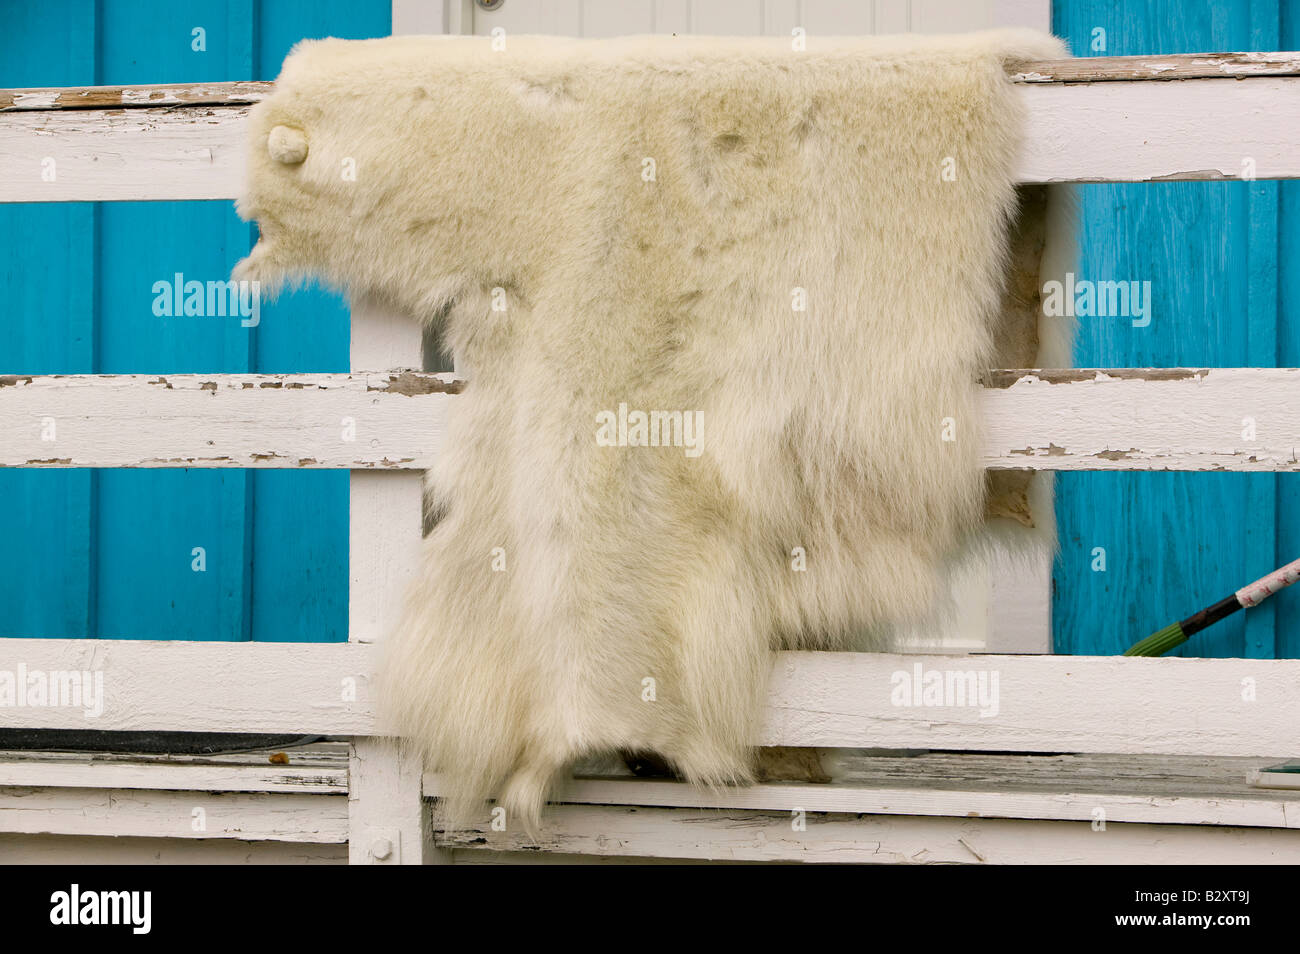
(358, 421)
(1239, 419)
(307, 771)
(148, 685)
(1076, 132)
(1162, 67)
(1169, 790)
(83, 850)
(1093, 69)
(320, 819)
(1045, 703)
(1146, 131)
(194, 152)
(231, 93)
(735, 835)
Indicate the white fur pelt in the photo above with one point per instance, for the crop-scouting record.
(727, 228)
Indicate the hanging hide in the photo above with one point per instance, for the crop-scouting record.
(721, 305)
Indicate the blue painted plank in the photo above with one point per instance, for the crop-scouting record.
(1172, 542)
(1260, 528)
(1286, 605)
(47, 280)
(174, 558)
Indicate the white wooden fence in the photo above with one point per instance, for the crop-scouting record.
(1175, 738)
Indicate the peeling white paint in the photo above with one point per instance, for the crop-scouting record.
(36, 99)
(1165, 789)
(712, 834)
(230, 420)
(123, 155)
(1172, 419)
(1157, 419)
(1140, 131)
(1123, 131)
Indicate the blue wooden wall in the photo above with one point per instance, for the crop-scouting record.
(1222, 260)
(111, 553)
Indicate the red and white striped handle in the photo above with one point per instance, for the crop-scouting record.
(1255, 593)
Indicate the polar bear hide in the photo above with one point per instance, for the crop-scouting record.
(721, 306)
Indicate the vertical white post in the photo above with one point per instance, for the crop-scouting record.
(387, 818)
(385, 506)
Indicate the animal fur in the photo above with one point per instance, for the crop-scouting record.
(648, 210)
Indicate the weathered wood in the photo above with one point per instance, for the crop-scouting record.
(320, 819)
(122, 155)
(381, 421)
(1136, 131)
(387, 820)
(1168, 790)
(1234, 419)
(233, 93)
(1044, 704)
(99, 850)
(385, 508)
(1237, 419)
(1168, 66)
(1113, 131)
(318, 769)
(1095, 69)
(736, 835)
(300, 688)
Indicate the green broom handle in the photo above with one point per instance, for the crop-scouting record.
(1252, 594)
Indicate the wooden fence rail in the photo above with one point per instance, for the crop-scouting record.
(1239, 419)
(1117, 119)
(1043, 703)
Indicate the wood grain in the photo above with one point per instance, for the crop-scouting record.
(738, 835)
(319, 819)
(1115, 131)
(1170, 419)
(1045, 703)
(1170, 790)
(1097, 69)
(321, 768)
